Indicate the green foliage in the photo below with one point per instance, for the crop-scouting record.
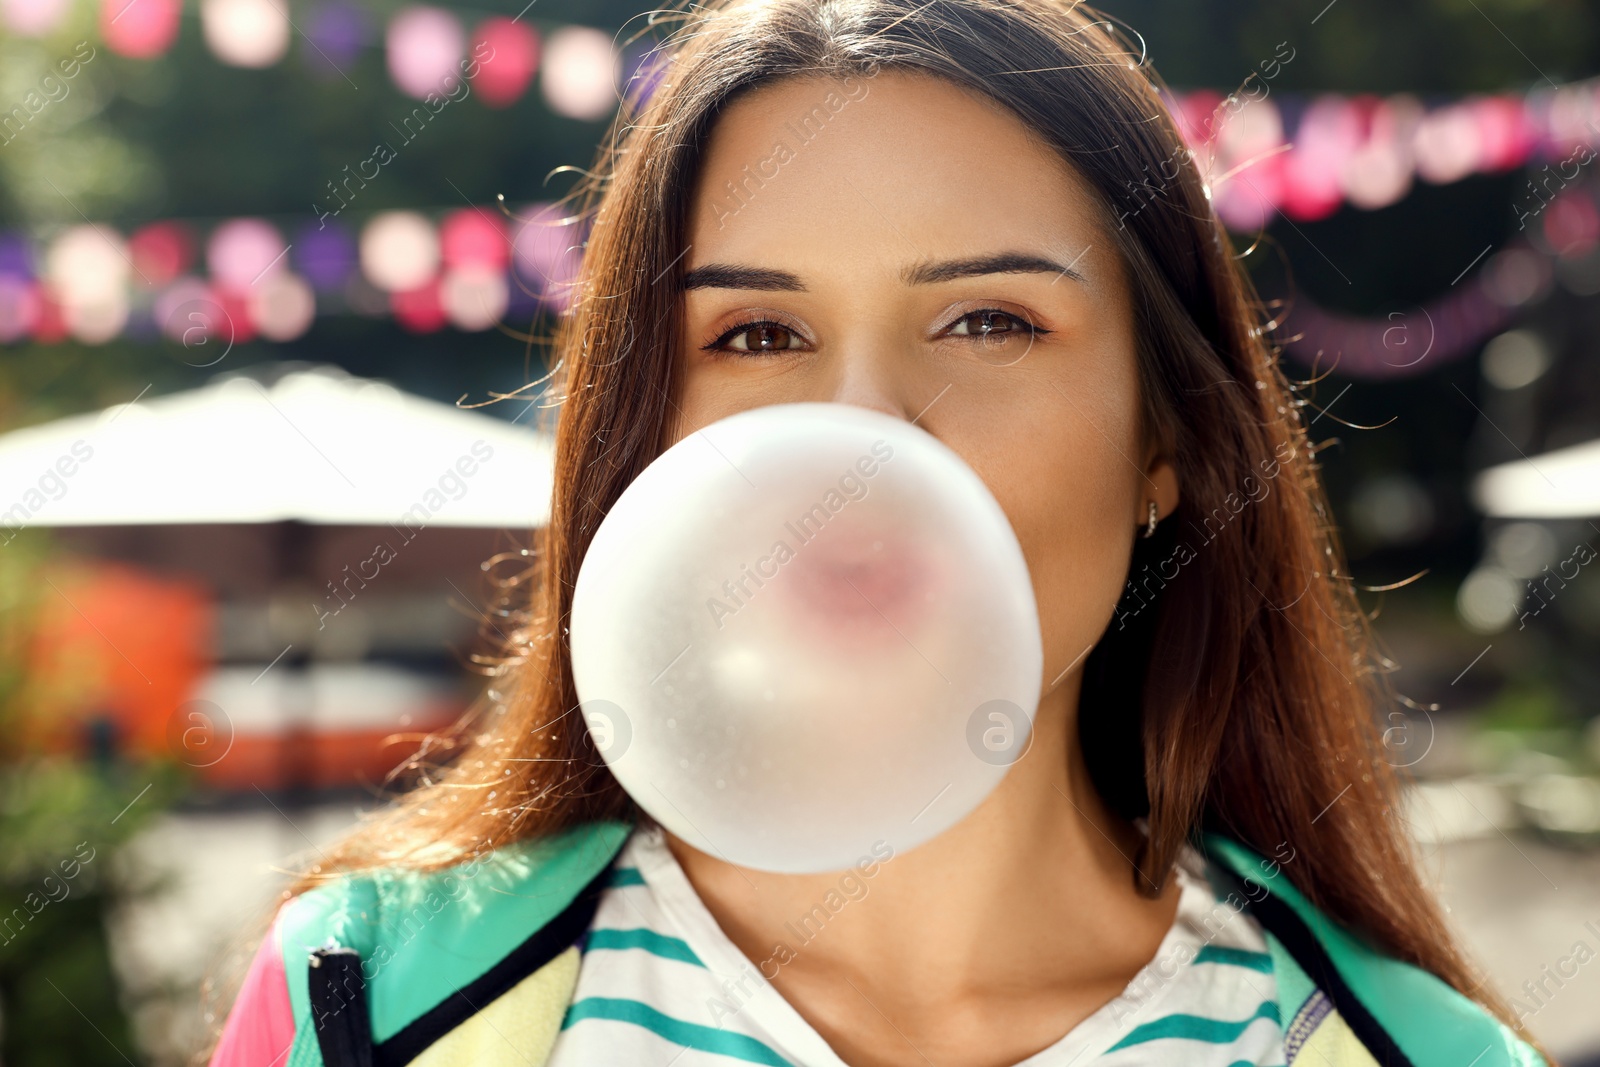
(1354, 46)
(62, 821)
(1528, 703)
(59, 992)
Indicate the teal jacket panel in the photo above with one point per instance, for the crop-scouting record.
(1429, 1020)
(423, 936)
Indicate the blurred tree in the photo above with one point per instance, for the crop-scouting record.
(62, 819)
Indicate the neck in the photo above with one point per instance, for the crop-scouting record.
(1034, 889)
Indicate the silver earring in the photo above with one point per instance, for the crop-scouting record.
(1150, 525)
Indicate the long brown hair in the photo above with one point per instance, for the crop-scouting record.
(1236, 689)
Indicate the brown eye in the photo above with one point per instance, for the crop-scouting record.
(761, 336)
(989, 323)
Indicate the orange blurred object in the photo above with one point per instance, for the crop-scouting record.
(116, 642)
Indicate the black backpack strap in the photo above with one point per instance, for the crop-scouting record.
(338, 995)
(1283, 923)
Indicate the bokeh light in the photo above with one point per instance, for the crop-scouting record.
(282, 306)
(1247, 178)
(1328, 133)
(161, 251)
(243, 251)
(16, 255)
(1504, 134)
(1514, 359)
(474, 297)
(513, 50)
(88, 264)
(1513, 277)
(335, 33)
(580, 73)
(1380, 170)
(1446, 144)
(49, 327)
(419, 310)
(325, 253)
(176, 309)
(1488, 600)
(399, 251)
(19, 307)
(245, 33)
(139, 29)
(1572, 225)
(1523, 549)
(474, 237)
(425, 46)
(546, 252)
(33, 18)
(95, 322)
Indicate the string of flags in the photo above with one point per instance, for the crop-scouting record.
(426, 48)
(1263, 153)
(1306, 157)
(247, 278)
(1267, 151)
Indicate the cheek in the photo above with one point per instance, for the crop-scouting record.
(700, 399)
(706, 392)
(1065, 476)
(1077, 542)
(704, 397)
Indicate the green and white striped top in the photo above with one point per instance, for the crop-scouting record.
(659, 983)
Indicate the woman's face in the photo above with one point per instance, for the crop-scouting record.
(901, 244)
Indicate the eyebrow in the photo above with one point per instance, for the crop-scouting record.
(732, 276)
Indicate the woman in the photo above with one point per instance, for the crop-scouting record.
(979, 216)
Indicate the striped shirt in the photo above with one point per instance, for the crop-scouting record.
(659, 983)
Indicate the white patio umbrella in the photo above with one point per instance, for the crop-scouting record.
(1563, 484)
(315, 446)
(250, 477)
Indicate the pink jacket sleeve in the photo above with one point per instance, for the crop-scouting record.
(260, 1028)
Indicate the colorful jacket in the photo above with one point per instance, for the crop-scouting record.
(477, 964)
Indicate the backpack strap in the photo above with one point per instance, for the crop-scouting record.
(1329, 988)
(404, 957)
(339, 1007)
(1396, 1009)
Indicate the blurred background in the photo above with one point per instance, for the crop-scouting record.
(265, 263)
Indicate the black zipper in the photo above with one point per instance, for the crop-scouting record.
(339, 1007)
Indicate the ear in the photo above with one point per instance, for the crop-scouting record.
(1160, 483)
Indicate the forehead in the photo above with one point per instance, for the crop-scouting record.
(883, 169)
